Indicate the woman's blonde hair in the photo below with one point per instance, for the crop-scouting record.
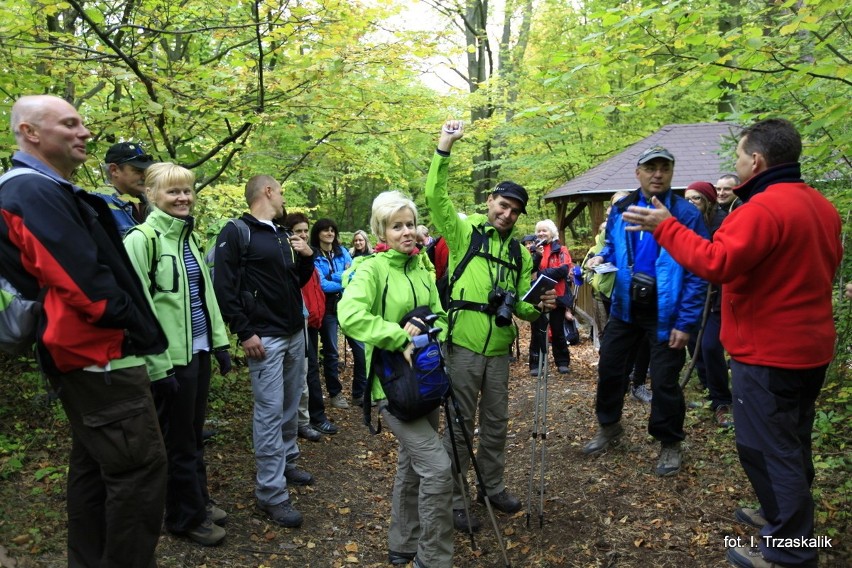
(385, 205)
(166, 174)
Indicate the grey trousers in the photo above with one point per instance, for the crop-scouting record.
(421, 513)
(481, 384)
(276, 382)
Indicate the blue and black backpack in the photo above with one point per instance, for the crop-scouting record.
(414, 390)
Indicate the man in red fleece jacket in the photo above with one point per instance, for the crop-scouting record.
(775, 257)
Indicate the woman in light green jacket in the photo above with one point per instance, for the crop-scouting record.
(168, 261)
(385, 288)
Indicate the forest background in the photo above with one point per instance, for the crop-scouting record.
(342, 99)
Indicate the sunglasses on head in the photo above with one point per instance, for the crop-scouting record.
(140, 157)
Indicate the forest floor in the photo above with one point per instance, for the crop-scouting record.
(606, 511)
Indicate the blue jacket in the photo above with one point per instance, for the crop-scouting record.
(680, 294)
(120, 206)
(331, 272)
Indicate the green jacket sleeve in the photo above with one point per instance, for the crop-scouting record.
(358, 312)
(137, 245)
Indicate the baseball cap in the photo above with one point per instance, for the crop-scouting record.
(128, 153)
(654, 152)
(528, 239)
(514, 191)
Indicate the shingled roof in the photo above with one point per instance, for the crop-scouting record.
(702, 152)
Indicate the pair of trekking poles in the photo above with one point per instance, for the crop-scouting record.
(455, 419)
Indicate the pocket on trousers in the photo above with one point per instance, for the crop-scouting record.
(124, 436)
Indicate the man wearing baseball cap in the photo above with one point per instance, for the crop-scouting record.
(652, 295)
(485, 292)
(124, 165)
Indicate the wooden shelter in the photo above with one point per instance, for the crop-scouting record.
(702, 152)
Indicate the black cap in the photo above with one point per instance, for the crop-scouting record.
(514, 191)
(528, 239)
(653, 153)
(128, 153)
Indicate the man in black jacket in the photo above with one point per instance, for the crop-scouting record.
(258, 287)
(61, 242)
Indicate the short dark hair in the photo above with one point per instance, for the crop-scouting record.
(320, 226)
(775, 138)
(293, 219)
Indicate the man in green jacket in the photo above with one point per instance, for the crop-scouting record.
(480, 334)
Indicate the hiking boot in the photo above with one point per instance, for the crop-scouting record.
(750, 517)
(325, 427)
(309, 433)
(724, 418)
(357, 401)
(206, 534)
(464, 522)
(605, 436)
(216, 514)
(534, 372)
(641, 393)
(503, 501)
(563, 369)
(298, 477)
(669, 462)
(400, 558)
(748, 557)
(339, 401)
(283, 514)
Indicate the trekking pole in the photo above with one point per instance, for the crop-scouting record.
(542, 375)
(458, 471)
(543, 443)
(687, 374)
(459, 422)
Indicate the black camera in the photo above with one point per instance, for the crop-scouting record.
(643, 290)
(502, 304)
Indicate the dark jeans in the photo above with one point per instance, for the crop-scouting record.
(774, 414)
(331, 372)
(316, 404)
(668, 408)
(181, 420)
(711, 365)
(555, 318)
(359, 367)
(117, 468)
(639, 362)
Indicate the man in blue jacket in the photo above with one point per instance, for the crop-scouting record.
(124, 166)
(653, 294)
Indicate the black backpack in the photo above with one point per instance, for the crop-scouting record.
(414, 390)
(478, 247)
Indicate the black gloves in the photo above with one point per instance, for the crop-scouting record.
(223, 358)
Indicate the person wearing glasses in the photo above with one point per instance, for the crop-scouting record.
(124, 166)
(712, 368)
(652, 295)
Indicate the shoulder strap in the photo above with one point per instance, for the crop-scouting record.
(153, 238)
(479, 247)
(15, 172)
(245, 238)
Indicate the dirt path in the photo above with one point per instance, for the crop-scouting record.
(598, 512)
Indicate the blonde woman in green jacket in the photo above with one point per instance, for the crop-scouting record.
(385, 288)
(168, 261)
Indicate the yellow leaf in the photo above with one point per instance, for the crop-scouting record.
(351, 560)
(343, 510)
(311, 545)
(351, 547)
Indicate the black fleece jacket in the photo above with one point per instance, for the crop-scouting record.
(261, 294)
